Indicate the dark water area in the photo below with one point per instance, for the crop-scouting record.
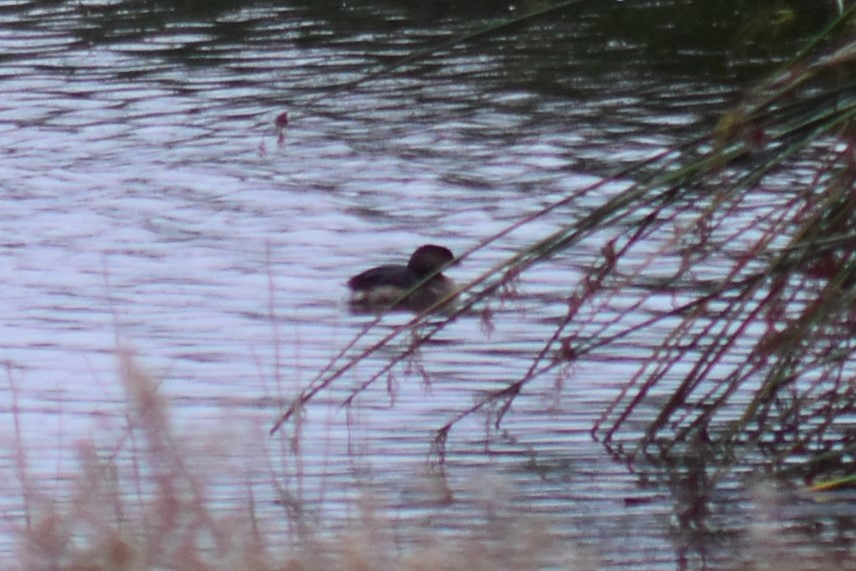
(149, 202)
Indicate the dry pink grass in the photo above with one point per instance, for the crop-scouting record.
(154, 512)
(150, 509)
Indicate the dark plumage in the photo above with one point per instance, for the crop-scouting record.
(387, 286)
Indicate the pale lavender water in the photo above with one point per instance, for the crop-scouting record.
(146, 199)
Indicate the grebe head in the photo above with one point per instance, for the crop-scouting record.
(429, 259)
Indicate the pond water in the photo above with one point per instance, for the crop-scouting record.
(148, 202)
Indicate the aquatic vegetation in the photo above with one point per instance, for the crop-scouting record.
(723, 273)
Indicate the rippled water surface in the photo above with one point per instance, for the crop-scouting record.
(147, 202)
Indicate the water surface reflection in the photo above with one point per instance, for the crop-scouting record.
(147, 199)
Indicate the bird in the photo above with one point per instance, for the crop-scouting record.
(415, 287)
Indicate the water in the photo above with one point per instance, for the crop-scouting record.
(149, 204)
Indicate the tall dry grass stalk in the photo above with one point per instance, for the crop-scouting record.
(146, 504)
(138, 505)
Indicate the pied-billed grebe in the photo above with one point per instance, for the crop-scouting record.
(387, 287)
